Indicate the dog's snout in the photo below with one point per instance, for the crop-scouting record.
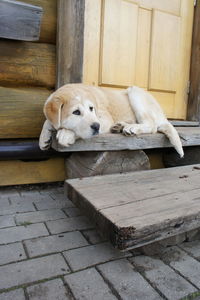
(95, 127)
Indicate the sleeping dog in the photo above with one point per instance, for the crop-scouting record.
(81, 111)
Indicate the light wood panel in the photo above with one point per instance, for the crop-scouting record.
(49, 19)
(19, 172)
(140, 42)
(118, 52)
(165, 48)
(21, 113)
(26, 63)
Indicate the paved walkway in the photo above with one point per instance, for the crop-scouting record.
(50, 251)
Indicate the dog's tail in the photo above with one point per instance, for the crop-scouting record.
(173, 136)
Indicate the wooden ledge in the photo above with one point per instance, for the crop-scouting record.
(190, 136)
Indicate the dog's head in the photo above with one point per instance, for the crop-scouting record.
(73, 109)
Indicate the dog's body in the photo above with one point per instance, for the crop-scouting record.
(81, 111)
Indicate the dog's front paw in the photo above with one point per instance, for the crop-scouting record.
(117, 128)
(45, 144)
(129, 130)
(65, 137)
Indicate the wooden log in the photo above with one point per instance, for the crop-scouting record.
(21, 113)
(49, 19)
(19, 21)
(194, 95)
(136, 209)
(101, 163)
(70, 41)
(20, 172)
(26, 63)
(190, 136)
(191, 156)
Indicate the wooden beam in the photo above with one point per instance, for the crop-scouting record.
(49, 19)
(20, 21)
(194, 95)
(21, 112)
(70, 31)
(27, 64)
(190, 136)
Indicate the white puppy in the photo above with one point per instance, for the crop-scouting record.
(82, 111)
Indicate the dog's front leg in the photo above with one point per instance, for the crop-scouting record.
(46, 136)
(65, 137)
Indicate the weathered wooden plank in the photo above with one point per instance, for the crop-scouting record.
(21, 113)
(194, 95)
(49, 19)
(70, 41)
(190, 136)
(19, 21)
(26, 63)
(19, 172)
(178, 123)
(146, 210)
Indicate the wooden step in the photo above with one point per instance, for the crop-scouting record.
(190, 136)
(139, 208)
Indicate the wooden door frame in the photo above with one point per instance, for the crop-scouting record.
(70, 47)
(193, 110)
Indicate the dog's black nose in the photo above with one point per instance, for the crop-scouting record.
(95, 127)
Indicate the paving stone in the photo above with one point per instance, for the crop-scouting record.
(32, 270)
(192, 248)
(193, 235)
(182, 262)
(73, 212)
(8, 191)
(171, 285)
(13, 295)
(40, 216)
(50, 204)
(33, 193)
(55, 243)
(12, 252)
(126, 281)
(6, 221)
(19, 233)
(89, 285)
(91, 255)
(93, 236)
(69, 224)
(29, 197)
(16, 208)
(50, 290)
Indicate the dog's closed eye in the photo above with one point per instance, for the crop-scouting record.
(77, 112)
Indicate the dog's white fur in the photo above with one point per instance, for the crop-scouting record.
(132, 112)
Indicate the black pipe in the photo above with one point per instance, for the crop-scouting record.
(22, 149)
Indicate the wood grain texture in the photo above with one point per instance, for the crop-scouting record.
(190, 136)
(100, 163)
(21, 114)
(49, 19)
(194, 95)
(26, 63)
(19, 21)
(136, 209)
(70, 41)
(19, 172)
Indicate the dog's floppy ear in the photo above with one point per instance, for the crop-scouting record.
(52, 110)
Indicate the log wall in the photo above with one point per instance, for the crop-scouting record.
(27, 77)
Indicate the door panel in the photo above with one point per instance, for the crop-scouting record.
(140, 42)
(118, 45)
(165, 46)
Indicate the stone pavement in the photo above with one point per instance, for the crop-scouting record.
(50, 251)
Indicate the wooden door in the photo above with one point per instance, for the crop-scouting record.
(140, 42)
